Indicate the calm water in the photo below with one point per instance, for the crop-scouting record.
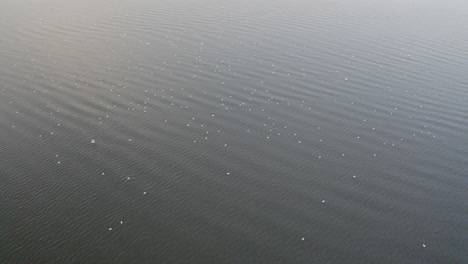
(249, 131)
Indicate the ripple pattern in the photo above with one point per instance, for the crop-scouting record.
(233, 131)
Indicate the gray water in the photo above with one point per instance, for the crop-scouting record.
(250, 131)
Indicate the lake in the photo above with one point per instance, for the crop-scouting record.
(222, 131)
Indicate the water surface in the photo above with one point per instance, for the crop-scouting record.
(261, 131)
